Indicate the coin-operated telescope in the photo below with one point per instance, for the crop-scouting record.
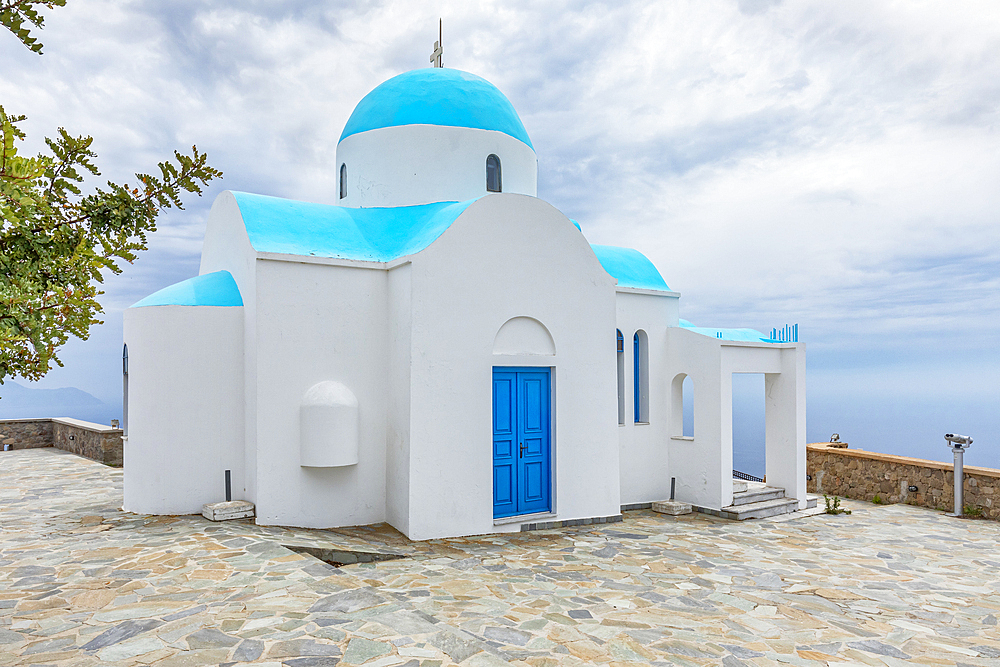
(958, 444)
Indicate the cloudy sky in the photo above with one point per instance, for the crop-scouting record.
(831, 164)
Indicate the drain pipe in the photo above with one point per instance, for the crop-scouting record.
(673, 485)
(958, 444)
(229, 486)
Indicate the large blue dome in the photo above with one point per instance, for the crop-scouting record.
(436, 96)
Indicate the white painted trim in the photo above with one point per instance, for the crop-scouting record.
(648, 292)
(335, 261)
(747, 343)
(326, 261)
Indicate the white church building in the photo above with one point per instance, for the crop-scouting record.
(439, 349)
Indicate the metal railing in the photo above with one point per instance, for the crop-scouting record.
(746, 476)
(786, 334)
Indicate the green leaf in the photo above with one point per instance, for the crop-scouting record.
(15, 13)
(56, 242)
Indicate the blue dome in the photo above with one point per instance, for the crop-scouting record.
(630, 267)
(436, 96)
(209, 289)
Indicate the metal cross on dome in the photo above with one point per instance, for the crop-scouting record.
(438, 49)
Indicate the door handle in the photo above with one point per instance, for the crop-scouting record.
(522, 450)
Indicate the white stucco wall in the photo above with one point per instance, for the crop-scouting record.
(508, 256)
(785, 424)
(419, 164)
(185, 407)
(699, 463)
(319, 323)
(703, 464)
(645, 472)
(400, 354)
(227, 248)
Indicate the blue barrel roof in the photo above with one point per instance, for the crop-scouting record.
(745, 335)
(373, 234)
(436, 96)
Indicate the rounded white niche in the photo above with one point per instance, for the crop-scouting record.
(328, 422)
(524, 336)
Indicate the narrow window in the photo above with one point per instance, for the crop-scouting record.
(125, 390)
(343, 181)
(687, 407)
(493, 181)
(640, 377)
(621, 377)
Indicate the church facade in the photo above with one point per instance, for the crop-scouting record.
(439, 349)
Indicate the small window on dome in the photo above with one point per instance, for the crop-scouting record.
(343, 181)
(493, 182)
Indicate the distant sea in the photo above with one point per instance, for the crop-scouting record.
(20, 402)
(913, 426)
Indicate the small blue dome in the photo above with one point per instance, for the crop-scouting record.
(208, 289)
(630, 267)
(436, 96)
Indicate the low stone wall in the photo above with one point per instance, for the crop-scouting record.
(25, 433)
(94, 441)
(861, 475)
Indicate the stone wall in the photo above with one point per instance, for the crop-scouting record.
(861, 475)
(94, 441)
(25, 433)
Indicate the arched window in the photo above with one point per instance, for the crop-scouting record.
(493, 180)
(343, 181)
(640, 361)
(125, 389)
(621, 377)
(682, 407)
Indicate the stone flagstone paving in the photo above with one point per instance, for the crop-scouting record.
(82, 583)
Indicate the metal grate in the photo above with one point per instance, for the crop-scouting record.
(746, 476)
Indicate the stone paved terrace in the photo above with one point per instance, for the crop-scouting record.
(83, 583)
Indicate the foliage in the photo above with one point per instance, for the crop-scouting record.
(878, 500)
(833, 507)
(14, 14)
(56, 242)
(972, 510)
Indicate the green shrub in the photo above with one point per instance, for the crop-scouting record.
(834, 506)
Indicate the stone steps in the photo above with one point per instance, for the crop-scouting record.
(753, 500)
(760, 509)
(758, 494)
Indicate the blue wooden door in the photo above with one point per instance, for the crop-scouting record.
(521, 441)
